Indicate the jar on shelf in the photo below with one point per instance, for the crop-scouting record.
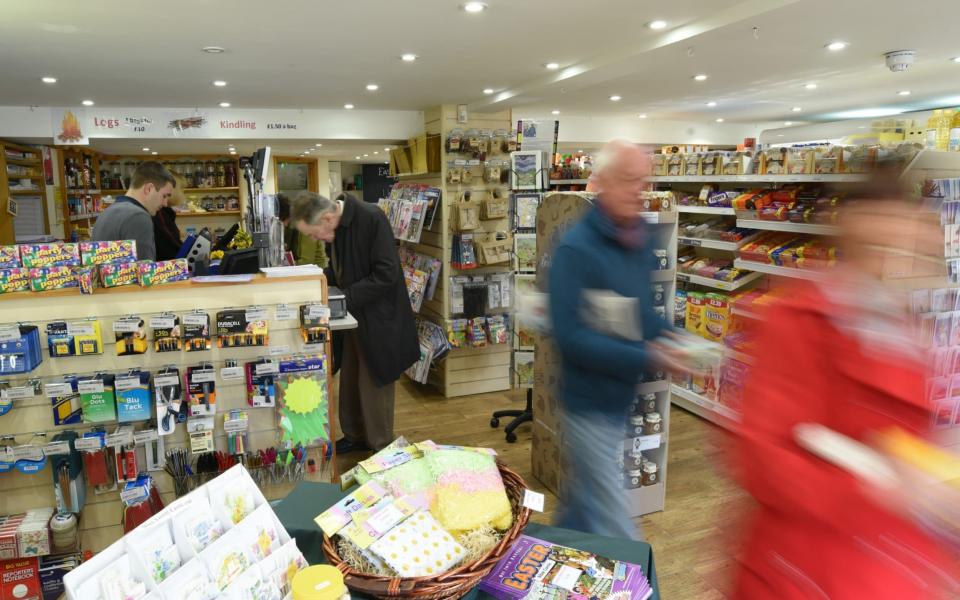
(650, 474)
(211, 177)
(221, 203)
(635, 426)
(652, 423)
(221, 174)
(659, 294)
(635, 479)
(231, 175)
(648, 403)
(198, 174)
(233, 202)
(634, 460)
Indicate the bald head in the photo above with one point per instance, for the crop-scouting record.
(620, 173)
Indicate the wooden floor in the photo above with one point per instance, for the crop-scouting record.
(690, 539)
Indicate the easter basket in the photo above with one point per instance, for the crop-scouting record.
(451, 584)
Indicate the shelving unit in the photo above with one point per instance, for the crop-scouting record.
(808, 274)
(79, 170)
(706, 210)
(31, 204)
(824, 178)
(788, 227)
(704, 407)
(727, 286)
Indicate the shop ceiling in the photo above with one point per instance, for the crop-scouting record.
(759, 56)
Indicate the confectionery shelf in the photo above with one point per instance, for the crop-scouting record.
(750, 265)
(704, 407)
(823, 178)
(789, 227)
(728, 286)
(707, 210)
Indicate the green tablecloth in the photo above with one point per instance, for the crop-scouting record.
(308, 500)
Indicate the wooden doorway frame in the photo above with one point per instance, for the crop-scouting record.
(313, 181)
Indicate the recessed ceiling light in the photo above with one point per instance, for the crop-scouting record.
(372, 87)
(552, 66)
(348, 106)
(811, 86)
(146, 149)
(154, 153)
(642, 116)
(376, 152)
(956, 59)
(220, 83)
(779, 135)
(700, 77)
(318, 145)
(366, 155)
(796, 109)
(214, 49)
(658, 24)
(475, 7)
(711, 104)
(615, 98)
(357, 157)
(224, 105)
(836, 46)
(787, 123)
(408, 57)
(301, 154)
(386, 149)
(903, 93)
(87, 103)
(554, 112)
(48, 79)
(719, 119)
(488, 91)
(233, 152)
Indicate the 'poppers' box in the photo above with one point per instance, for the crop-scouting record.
(36, 256)
(165, 271)
(14, 280)
(52, 278)
(117, 274)
(9, 257)
(102, 253)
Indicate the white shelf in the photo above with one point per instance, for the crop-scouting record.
(746, 314)
(662, 217)
(808, 274)
(789, 227)
(76, 218)
(704, 407)
(822, 178)
(727, 286)
(568, 181)
(706, 243)
(662, 276)
(707, 210)
(652, 387)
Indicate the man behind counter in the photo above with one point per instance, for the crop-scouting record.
(130, 217)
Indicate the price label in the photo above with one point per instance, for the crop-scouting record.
(162, 322)
(126, 383)
(56, 390)
(279, 350)
(691, 242)
(201, 441)
(88, 443)
(646, 442)
(90, 386)
(473, 162)
(120, 438)
(148, 435)
(195, 319)
(17, 393)
(318, 311)
(54, 448)
(203, 376)
(231, 373)
(256, 314)
(313, 348)
(267, 368)
(533, 500)
(27, 453)
(285, 312)
(166, 380)
(80, 328)
(235, 425)
(6, 454)
(9, 333)
(683, 277)
(126, 326)
(134, 494)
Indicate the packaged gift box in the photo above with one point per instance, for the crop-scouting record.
(166, 271)
(14, 280)
(101, 253)
(50, 255)
(52, 278)
(117, 274)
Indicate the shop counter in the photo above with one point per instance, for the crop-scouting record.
(309, 499)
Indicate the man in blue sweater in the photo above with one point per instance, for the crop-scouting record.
(130, 217)
(603, 321)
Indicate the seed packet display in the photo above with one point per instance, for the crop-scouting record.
(166, 333)
(261, 383)
(168, 397)
(130, 334)
(303, 408)
(202, 390)
(234, 331)
(196, 332)
(133, 397)
(97, 399)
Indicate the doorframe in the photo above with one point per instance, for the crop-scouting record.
(313, 181)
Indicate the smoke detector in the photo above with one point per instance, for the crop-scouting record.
(899, 60)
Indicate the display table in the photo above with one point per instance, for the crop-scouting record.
(309, 499)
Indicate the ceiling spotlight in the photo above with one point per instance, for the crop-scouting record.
(475, 7)
(348, 106)
(318, 145)
(220, 83)
(233, 152)
(214, 49)
(48, 79)
(408, 57)
(146, 149)
(301, 154)
(787, 123)
(87, 103)
(554, 112)
(376, 152)
(811, 86)
(796, 109)
(657, 24)
(488, 91)
(615, 98)
(224, 105)
(956, 59)
(366, 155)
(711, 104)
(357, 157)
(700, 77)
(386, 149)
(372, 87)
(903, 93)
(719, 120)
(836, 46)
(642, 116)
(154, 153)
(552, 66)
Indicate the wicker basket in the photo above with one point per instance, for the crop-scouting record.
(452, 584)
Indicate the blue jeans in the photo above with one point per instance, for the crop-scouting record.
(592, 497)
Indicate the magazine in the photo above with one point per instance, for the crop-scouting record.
(535, 569)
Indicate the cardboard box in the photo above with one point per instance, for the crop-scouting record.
(50, 255)
(101, 253)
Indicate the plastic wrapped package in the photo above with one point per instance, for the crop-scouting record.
(469, 491)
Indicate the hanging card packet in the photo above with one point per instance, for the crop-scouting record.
(196, 332)
(168, 398)
(303, 408)
(335, 518)
(97, 399)
(202, 390)
(166, 333)
(130, 334)
(262, 382)
(65, 399)
(134, 402)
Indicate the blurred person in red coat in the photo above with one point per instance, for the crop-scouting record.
(837, 353)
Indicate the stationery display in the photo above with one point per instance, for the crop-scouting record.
(303, 407)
